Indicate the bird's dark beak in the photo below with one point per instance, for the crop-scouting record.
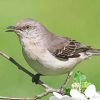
(10, 29)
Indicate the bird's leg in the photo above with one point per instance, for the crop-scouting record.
(69, 74)
(36, 78)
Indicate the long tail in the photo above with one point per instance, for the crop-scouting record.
(93, 52)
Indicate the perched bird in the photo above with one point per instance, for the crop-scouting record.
(47, 53)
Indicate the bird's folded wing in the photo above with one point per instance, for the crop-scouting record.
(67, 48)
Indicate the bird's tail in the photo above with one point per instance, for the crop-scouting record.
(93, 52)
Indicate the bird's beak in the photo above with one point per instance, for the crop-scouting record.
(11, 29)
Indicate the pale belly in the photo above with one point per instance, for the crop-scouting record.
(47, 64)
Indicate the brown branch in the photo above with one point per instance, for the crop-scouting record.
(47, 88)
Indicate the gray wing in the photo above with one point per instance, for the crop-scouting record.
(65, 48)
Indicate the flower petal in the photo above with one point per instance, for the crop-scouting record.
(90, 91)
(53, 98)
(95, 98)
(76, 94)
(57, 95)
(65, 97)
(97, 94)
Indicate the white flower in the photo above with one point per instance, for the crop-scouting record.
(90, 91)
(58, 96)
(89, 94)
(76, 94)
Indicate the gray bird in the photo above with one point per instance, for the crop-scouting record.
(47, 53)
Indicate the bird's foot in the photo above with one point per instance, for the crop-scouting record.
(36, 78)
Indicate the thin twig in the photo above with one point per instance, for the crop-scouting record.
(39, 96)
(69, 74)
(47, 88)
(9, 98)
(16, 63)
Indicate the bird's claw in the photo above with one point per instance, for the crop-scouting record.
(36, 78)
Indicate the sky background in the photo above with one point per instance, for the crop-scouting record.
(78, 19)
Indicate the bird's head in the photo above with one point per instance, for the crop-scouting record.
(27, 28)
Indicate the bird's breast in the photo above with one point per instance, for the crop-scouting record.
(32, 48)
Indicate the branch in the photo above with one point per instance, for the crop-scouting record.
(47, 88)
(39, 96)
(9, 98)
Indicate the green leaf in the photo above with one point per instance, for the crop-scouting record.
(67, 91)
(84, 85)
(80, 77)
(82, 80)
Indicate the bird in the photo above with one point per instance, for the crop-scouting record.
(48, 53)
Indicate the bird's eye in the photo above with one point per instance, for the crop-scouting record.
(28, 27)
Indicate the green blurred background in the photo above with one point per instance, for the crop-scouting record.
(79, 19)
